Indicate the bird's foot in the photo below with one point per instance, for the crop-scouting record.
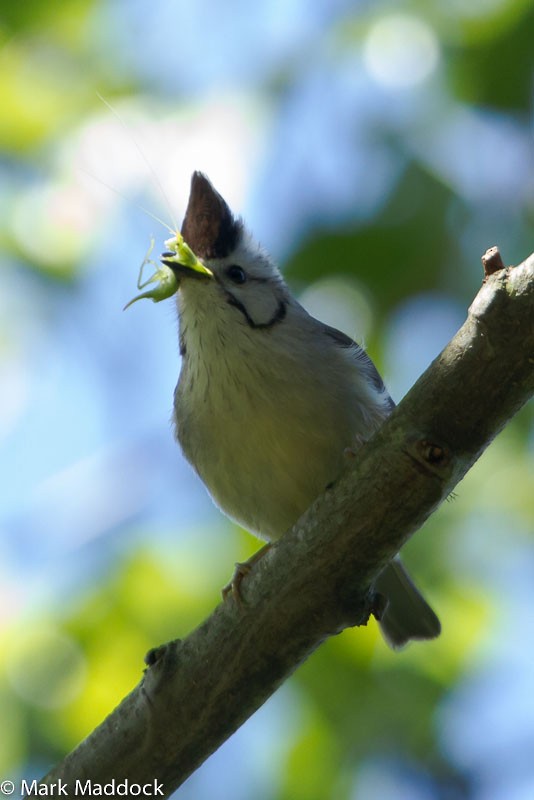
(352, 451)
(242, 568)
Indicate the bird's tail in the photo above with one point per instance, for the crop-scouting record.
(407, 614)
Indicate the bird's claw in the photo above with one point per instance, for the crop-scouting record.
(242, 568)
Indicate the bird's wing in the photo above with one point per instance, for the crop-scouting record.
(362, 359)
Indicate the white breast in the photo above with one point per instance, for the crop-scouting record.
(265, 415)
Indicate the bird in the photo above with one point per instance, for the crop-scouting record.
(269, 399)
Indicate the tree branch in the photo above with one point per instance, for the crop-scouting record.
(315, 581)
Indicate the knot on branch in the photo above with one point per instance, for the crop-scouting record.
(430, 456)
(492, 261)
(433, 453)
(161, 662)
(352, 606)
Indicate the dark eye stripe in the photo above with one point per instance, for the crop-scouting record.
(278, 315)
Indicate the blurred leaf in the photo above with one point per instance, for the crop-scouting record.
(312, 766)
(491, 70)
(14, 744)
(60, 22)
(405, 250)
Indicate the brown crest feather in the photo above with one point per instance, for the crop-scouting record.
(209, 227)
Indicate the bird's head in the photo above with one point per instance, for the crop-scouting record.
(241, 281)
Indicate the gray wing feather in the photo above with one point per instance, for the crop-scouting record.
(362, 359)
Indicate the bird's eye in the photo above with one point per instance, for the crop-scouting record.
(236, 274)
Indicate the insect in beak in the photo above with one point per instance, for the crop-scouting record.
(178, 260)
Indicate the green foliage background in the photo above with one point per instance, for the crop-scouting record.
(356, 721)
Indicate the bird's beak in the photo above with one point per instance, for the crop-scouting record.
(183, 262)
